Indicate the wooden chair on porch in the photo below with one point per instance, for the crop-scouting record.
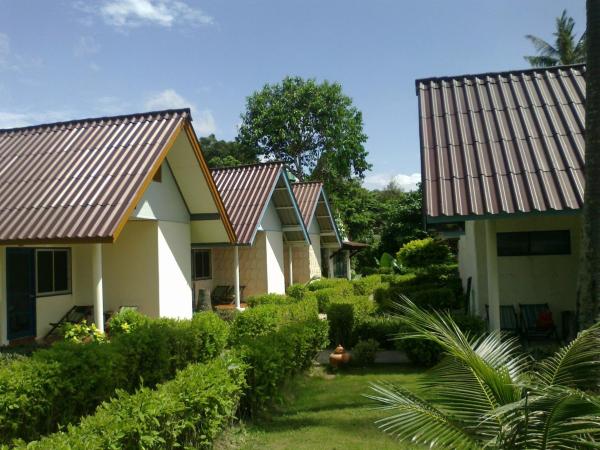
(537, 321)
(223, 297)
(76, 314)
(508, 318)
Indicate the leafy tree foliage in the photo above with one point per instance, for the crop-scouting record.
(219, 153)
(567, 49)
(313, 127)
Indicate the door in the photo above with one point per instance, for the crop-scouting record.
(20, 292)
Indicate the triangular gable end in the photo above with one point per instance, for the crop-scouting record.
(183, 160)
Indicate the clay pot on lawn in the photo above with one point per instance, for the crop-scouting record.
(339, 357)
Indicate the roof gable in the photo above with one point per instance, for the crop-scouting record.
(503, 143)
(246, 192)
(313, 204)
(81, 180)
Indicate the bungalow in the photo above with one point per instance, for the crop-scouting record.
(266, 219)
(502, 159)
(314, 260)
(102, 212)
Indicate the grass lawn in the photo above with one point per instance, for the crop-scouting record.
(325, 411)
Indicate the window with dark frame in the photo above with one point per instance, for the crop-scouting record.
(534, 243)
(202, 266)
(53, 271)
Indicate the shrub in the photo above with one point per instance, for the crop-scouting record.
(326, 296)
(82, 333)
(125, 322)
(253, 322)
(379, 328)
(267, 299)
(274, 358)
(68, 380)
(341, 284)
(366, 285)
(297, 291)
(424, 252)
(187, 412)
(435, 298)
(363, 353)
(345, 315)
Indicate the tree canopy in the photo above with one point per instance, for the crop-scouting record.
(313, 127)
(567, 49)
(219, 153)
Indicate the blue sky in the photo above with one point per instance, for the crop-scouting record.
(66, 59)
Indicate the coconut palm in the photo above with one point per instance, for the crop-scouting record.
(487, 393)
(566, 49)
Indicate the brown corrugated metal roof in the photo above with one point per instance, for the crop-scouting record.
(312, 201)
(307, 195)
(508, 142)
(246, 191)
(78, 180)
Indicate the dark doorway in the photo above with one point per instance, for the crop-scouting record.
(20, 292)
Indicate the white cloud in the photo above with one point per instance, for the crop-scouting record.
(203, 120)
(406, 182)
(10, 60)
(165, 13)
(11, 119)
(86, 45)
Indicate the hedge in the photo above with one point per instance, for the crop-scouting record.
(60, 384)
(188, 411)
(424, 252)
(268, 299)
(345, 315)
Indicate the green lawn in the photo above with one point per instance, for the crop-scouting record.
(326, 412)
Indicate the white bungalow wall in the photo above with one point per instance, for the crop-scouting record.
(548, 279)
(306, 259)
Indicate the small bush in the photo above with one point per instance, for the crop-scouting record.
(382, 329)
(82, 333)
(435, 298)
(254, 322)
(125, 322)
(363, 353)
(297, 291)
(341, 284)
(366, 285)
(345, 315)
(189, 411)
(267, 299)
(424, 252)
(68, 380)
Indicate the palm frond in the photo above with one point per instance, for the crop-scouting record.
(417, 421)
(543, 47)
(575, 365)
(541, 61)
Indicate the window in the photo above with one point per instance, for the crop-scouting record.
(53, 271)
(201, 264)
(534, 243)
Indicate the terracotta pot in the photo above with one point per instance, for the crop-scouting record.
(339, 357)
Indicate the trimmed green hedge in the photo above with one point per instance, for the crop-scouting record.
(267, 299)
(344, 315)
(188, 411)
(60, 384)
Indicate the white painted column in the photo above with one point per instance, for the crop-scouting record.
(348, 265)
(492, 275)
(330, 273)
(97, 282)
(236, 268)
(291, 264)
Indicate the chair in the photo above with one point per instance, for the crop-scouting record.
(221, 295)
(537, 321)
(508, 318)
(76, 314)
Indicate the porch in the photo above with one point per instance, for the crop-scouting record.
(41, 283)
(520, 260)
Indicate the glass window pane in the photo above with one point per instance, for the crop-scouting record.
(44, 272)
(513, 244)
(551, 243)
(61, 270)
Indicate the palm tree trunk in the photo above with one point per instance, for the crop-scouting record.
(589, 276)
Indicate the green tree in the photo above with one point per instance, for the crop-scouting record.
(589, 271)
(486, 393)
(567, 49)
(313, 127)
(219, 153)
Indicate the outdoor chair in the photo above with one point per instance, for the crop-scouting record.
(221, 295)
(76, 314)
(537, 321)
(508, 318)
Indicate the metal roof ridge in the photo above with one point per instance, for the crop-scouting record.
(97, 119)
(495, 74)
